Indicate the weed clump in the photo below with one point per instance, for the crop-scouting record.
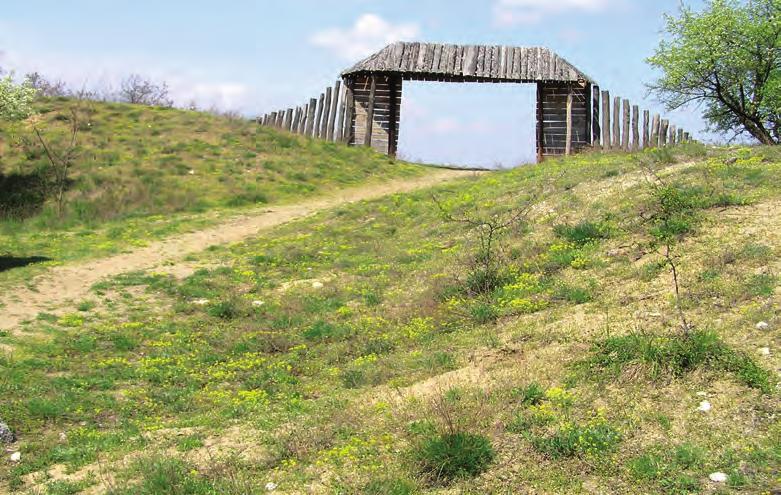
(675, 356)
(450, 456)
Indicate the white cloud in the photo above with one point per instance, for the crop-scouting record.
(514, 12)
(369, 33)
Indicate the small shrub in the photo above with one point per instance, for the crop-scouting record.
(530, 395)
(389, 486)
(225, 310)
(483, 312)
(592, 440)
(675, 356)
(582, 233)
(452, 456)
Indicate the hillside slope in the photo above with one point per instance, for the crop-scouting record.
(366, 350)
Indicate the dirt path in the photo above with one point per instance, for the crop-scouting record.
(72, 282)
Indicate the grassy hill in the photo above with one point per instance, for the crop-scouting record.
(372, 350)
(145, 172)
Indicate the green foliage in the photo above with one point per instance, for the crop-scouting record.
(16, 101)
(167, 476)
(727, 57)
(447, 457)
(389, 486)
(530, 395)
(582, 233)
(675, 356)
(593, 440)
(672, 470)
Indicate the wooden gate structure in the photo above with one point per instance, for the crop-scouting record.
(364, 107)
(376, 87)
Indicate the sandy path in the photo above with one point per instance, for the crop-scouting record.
(72, 282)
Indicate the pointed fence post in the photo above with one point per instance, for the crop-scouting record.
(319, 117)
(655, 131)
(617, 122)
(568, 143)
(288, 119)
(596, 131)
(326, 114)
(310, 117)
(625, 130)
(606, 145)
(663, 132)
(635, 128)
(329, 135)
(340, 119)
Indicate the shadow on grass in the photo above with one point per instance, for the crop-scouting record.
(11, 262)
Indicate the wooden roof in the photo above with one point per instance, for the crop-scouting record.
(470, 62)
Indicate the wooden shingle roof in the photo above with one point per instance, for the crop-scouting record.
(492, 62)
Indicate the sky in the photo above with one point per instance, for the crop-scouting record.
(259, 56)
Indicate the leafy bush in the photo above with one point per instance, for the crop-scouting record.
(591, 440)
(530, 395)
(451, 456)
(582, 233)
(226, 310)
(675, 356)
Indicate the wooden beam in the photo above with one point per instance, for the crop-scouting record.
(672, 135)
(329, 135)
(319, 117)
(304, 113)
(635, 128)
(393, 115)
(326, 113)
(686, 137)
(617, 122)
(310, 117)
(349, 113)
(568, 142)
(646, 130)
(606, 145)
(596, 134)
(273, 119)
(288, 121)
(367, 141)
(655, 131)
(540, 137)
(625, 130)
(339, 132)
(663, 132)
(680, 135)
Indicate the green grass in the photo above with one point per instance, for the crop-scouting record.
(342, 387)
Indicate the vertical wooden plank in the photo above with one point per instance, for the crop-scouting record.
(273, 119)
(297, 120)
(596, 131)
(568, 142)
(617, 122)
(635, 128)
(393, 115)
(349, 112)
(326, 113)
(370, 111)
(606, 145)
(310, 117)
(680, 135)
(663, 132)
(672, 135)
(332, 114)
(655, 131)
(646, 130)
(625, 129)
(288, 122)
(319, 116)
(304, 115)
(686, 137)
(339, 131)
(539, 124)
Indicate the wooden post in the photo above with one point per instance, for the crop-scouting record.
(635, 128)
(304, 113)
(646, 130)
(288, 122)
(326, 114)
(540, 130)
(625, 130)
(339, 131)
(394, 107)
(273, 119)
(281, 119)
(568, 143)
(596, 131)
(370, 111)
(319, 118)
(617, 122)
(349, 113)
(297, 121)
(663, 132)
(332, 114)
(686, 137)
(310, 117)
(672, 135)
(680, 135)
(606, 145)
(655, 131)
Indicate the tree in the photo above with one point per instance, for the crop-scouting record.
(15, 100)
(728, 58)
(138, 90)
(45, 87)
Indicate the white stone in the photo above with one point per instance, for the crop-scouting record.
(704, 406)
(718, 477)
(16, 457)
(271, 486)
(258, 304)
(765, 351)
(317, 285)
(200, 302)
(763, 325)
(702, 394)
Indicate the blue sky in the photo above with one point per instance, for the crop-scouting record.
(263, 55)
